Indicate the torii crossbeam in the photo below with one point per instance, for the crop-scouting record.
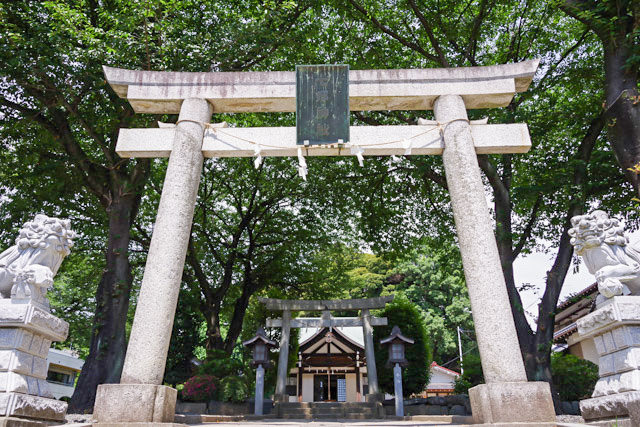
(449, 92)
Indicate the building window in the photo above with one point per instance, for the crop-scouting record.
(61, 378)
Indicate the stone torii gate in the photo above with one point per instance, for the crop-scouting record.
(366, 321)
(449, 92)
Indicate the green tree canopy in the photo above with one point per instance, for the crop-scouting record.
(432, 278)
(407, 316)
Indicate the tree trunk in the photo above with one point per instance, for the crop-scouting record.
(108, 340)
(615, 24)
(623, 109)
(242, 303)
(535, 347)
(504, 233)
(540, 345)
(214, 333)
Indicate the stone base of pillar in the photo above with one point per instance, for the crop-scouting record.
(516, 402)
(134, 403)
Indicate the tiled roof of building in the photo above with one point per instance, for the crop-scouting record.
(572, 299)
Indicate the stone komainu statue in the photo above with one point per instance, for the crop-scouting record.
(601, 242)
(27, 269)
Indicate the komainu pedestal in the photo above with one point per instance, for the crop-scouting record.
(615, 328)
(26, 333)
(615, 324)
(27, 327)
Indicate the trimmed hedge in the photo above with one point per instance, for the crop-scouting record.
(408, 317)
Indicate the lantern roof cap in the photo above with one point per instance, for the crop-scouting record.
(260, 335)
(396, 334)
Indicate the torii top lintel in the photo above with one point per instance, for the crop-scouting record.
(322, 305)
(162, 92)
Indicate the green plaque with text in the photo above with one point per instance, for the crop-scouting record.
(322, 104)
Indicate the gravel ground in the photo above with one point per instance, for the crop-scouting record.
(77, 418)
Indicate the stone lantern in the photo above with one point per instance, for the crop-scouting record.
(396, 343)
(260, 345)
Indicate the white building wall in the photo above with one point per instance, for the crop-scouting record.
(63, 362)
(441, 380)
(60, 390)
(583, 348)
(307, 387)
(352, 395)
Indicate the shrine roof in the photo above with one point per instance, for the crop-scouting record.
(352, 333)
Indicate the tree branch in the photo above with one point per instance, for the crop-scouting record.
(527, 230)
(429, 30)
(392, 33)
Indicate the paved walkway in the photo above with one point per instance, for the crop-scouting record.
(347, 423)
(337, 423)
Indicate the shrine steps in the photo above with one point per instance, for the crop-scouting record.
(329, 410)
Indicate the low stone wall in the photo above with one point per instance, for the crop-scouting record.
(228, 408)
(570, 408)
(438, 405)
(221, 408)
(191, 407)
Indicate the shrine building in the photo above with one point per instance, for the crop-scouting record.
(331, 366)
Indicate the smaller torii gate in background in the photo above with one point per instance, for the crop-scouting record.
(326, 306)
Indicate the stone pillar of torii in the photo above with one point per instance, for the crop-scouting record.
(448, 91)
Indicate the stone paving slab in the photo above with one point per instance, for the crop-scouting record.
(366, 423)
(338, 423)
(328, 423)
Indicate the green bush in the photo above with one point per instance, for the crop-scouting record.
(199, 388)
(472, 375)
(233, 389)
(408, 317)
(573, 378)
(229, 377)
(220, 364)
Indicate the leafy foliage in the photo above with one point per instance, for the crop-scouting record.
(472, 375)
(408, 317)
(233, 389)
(199, 388)
(186, 337)
(231, 374)
(432, 278)
(573, 378)
(72, 297)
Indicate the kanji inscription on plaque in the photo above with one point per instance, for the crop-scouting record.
(322, 104)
